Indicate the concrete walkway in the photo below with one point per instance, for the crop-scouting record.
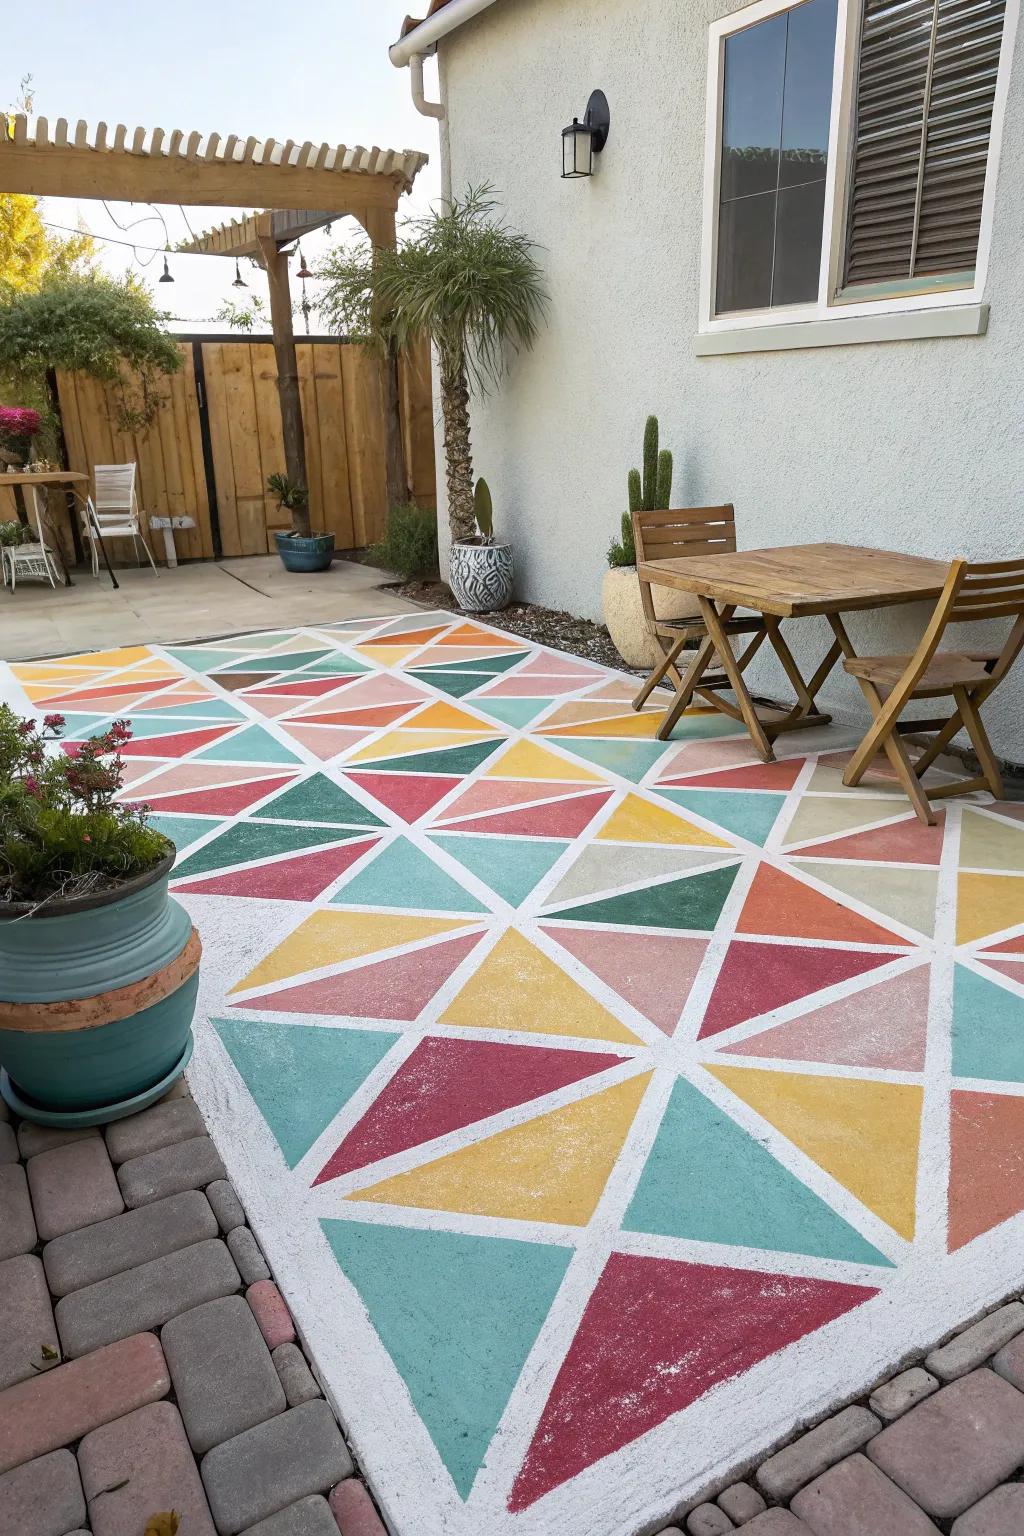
(192, 602)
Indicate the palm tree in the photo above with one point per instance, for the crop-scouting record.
(467, 281)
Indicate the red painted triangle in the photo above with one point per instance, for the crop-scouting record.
(1008, 947)
(555, 818)
(380, 714)
(409, 795)
(778, 776)
(386, 989)
(905, 842)
(656, 1335)
(786, 908)
(986, 1175)
(654, 972)
(220, 802)
(446, 1084)
(300, 878)
(305, 687)
(758, 978)
(178, 745)
(499, 794)
(111, 690)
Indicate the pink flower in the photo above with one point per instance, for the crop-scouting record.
(18, 421)
(26, 727)
(32, 785)
(53, 722)
(86, 838)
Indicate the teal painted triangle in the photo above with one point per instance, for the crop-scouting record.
(201, 660)
(402, 875)
(988, 1029)
(517, 712)
(457, 684)
(301, 1075)
(198, 709)
(147, 725)
(447, 760)
(182, 830)
(247, 841)
(694, 902)
(748, 815)
(512, 866)
(698, 727)
(632, 760)
(708, 1181)
(319, 799)
(80, 727)
(458, 1315)
(253, 745)
(335, 665)
(290, 661)
(492, 665)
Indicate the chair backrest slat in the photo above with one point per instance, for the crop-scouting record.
(684, 533)
(989, 590)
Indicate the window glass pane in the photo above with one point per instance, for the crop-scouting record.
(807, 105)
(746, 234)
(755, 63)
(798, 243)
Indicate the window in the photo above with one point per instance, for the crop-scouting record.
(850, 153)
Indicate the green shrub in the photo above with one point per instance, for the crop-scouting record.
(14, 533)
(409, 547)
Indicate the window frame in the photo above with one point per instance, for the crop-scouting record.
(831, 303)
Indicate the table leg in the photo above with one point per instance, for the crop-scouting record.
(720, 642)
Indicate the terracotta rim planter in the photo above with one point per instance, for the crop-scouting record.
(98, 997)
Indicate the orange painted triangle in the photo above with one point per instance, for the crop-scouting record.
(469, 633)
(986, 1176)
(779, 776)
(409, 636)
(1008, 947)
(781, 907)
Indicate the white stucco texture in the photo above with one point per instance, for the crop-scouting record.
(913, 445)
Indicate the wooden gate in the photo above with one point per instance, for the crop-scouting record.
(217, 436)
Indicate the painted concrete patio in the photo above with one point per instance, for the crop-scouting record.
(605, 1107)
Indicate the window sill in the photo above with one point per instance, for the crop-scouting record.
(847, 330)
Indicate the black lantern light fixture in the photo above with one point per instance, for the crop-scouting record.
(239, 281)
(166, 278)
(582, 141)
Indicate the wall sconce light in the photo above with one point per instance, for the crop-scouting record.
(582, 141)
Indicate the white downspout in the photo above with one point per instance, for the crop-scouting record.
(419, 100)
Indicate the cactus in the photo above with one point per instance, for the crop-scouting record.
(636, 495)
(650, 463)
(484, 509)
(646, 492)
(664, 487)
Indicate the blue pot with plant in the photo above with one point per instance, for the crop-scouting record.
(99, 966)
(300, 549)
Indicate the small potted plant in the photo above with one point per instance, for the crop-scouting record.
(99, 967)
(18, 426)
(479, 570)
(299, 548)
(620, 590)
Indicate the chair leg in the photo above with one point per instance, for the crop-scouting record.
(981, 744)
(668, 660)
(149, 552)
(694, 673)
(896, 752)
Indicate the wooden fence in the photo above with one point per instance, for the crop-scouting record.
(217, 436)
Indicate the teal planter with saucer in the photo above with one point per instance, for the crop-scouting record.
(314, 553)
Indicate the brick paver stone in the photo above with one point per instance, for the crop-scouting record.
(789, 1469)
(856, 1499)
(224, 1378)
(145, 1297)
(33, 1139)
(226, 1205)
(17, 1224)
(188, 1164)
(61, 1405)
(894, 1398)
(109, 1247)
(741, 1502)
(148, 1454)
(252, 1266)
(1009, 1362)
(708, 1520)
(969, 1349)
(950, 1451)
(269, 1467)
(1000, 1513)
(354, 1511)
(776, 1522)
(309, 1517)
(297, 1379)
(72, 1186)
(161, 1126)
(8, 1145)
(271, 1312)
(42, 1497)
(26, 1320)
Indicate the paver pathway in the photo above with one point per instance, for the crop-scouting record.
(604, 1106)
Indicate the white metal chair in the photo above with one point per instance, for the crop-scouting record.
(35, 559)
(115, 512)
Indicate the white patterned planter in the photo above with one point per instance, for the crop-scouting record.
(480, 576)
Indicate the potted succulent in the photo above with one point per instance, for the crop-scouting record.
(620, 590)
(479, 570)
(99, 967)
(300, 549)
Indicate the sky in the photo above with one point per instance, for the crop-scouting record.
(314, 70)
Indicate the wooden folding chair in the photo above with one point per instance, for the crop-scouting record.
(991, 590)
(684, 534)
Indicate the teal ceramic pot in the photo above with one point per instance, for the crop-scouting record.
(312, 554)
(98, 995)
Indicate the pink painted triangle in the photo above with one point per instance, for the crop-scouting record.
(446, 1084)
(556, 818)
(520, 687)
(409, 795)
(271, 707)
(325, 741)
(707, 756)
(904, 842)
(219, 802)
(758, 978)
(383, 688)
(559, 666)
(779, 776)
(300, 878)
(375, 715)
(399, 988)
(882, 1026)
(499, 794)
(1012, 968)
(651, 971)
(196, 775)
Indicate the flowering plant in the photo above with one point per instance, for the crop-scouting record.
(18, 422)
(62, 832)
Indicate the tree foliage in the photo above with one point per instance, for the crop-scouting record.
(88, 324)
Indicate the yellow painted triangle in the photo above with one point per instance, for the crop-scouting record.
(553, 1168)
(529, 760)
(32, 672)
(637, 821)
(125, 656)
(447, 717)
(987, 904)
(398, 743)
(615, 725)
(330, 938)
(865, 1134)
(518, 988)
(387, 655)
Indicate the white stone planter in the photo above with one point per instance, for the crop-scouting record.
(480, 576)
(624, 614)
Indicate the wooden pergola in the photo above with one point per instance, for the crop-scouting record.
(298, 182)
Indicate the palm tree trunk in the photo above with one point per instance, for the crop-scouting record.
(457, 450)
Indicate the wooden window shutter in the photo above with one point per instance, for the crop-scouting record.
(925, 91)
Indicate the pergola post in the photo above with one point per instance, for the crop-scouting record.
(276, 264)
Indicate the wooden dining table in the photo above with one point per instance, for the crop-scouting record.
(791, 582)
(42, 479)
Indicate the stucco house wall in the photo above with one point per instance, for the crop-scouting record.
(913, 445)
